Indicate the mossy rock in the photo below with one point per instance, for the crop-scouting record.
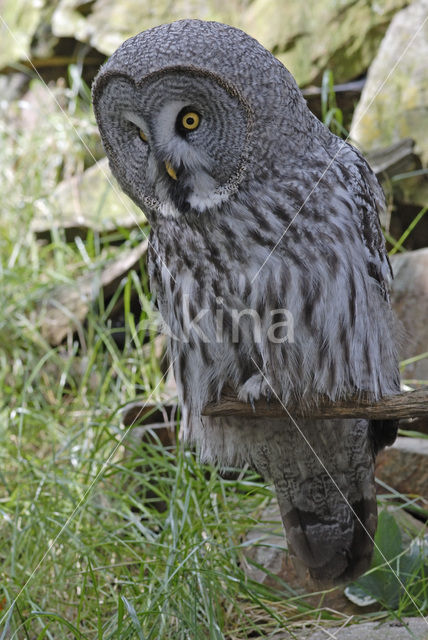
(110, 22)
(309, 37)
(20, 21)
(394, 102)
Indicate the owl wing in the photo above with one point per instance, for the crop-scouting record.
(370, 199)
(372, 204)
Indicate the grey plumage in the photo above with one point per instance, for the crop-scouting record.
(266, 210)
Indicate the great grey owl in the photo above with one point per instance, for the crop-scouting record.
(269, 268)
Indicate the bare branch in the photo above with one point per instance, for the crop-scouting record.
(410, 404)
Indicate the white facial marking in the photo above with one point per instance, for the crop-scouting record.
(203, 187)
(165, 123)
(138, 120)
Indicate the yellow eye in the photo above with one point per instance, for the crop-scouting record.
(190, 120)
(143, 135)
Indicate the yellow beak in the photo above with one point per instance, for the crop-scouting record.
(170, 171)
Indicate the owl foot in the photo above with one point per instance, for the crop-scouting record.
(255, 388)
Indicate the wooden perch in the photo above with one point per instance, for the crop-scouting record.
(409, 404)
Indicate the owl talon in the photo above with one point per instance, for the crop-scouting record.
(253, 389)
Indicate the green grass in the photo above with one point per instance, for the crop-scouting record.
(104, 535)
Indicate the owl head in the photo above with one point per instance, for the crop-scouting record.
(188, 111)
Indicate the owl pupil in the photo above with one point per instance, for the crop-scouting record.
(190, 121)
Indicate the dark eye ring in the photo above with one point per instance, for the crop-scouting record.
(188, 120)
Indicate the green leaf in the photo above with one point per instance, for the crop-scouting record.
(388, 544)
(396, 577)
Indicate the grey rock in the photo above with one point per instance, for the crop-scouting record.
(404, 466)
(309, 37)
(410, 302)
(110, 23)
(394, 101)
(412, 628)
(403, 179)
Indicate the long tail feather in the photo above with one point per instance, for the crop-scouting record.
(326, 495)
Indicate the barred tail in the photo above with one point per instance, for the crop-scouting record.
(326, 494)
